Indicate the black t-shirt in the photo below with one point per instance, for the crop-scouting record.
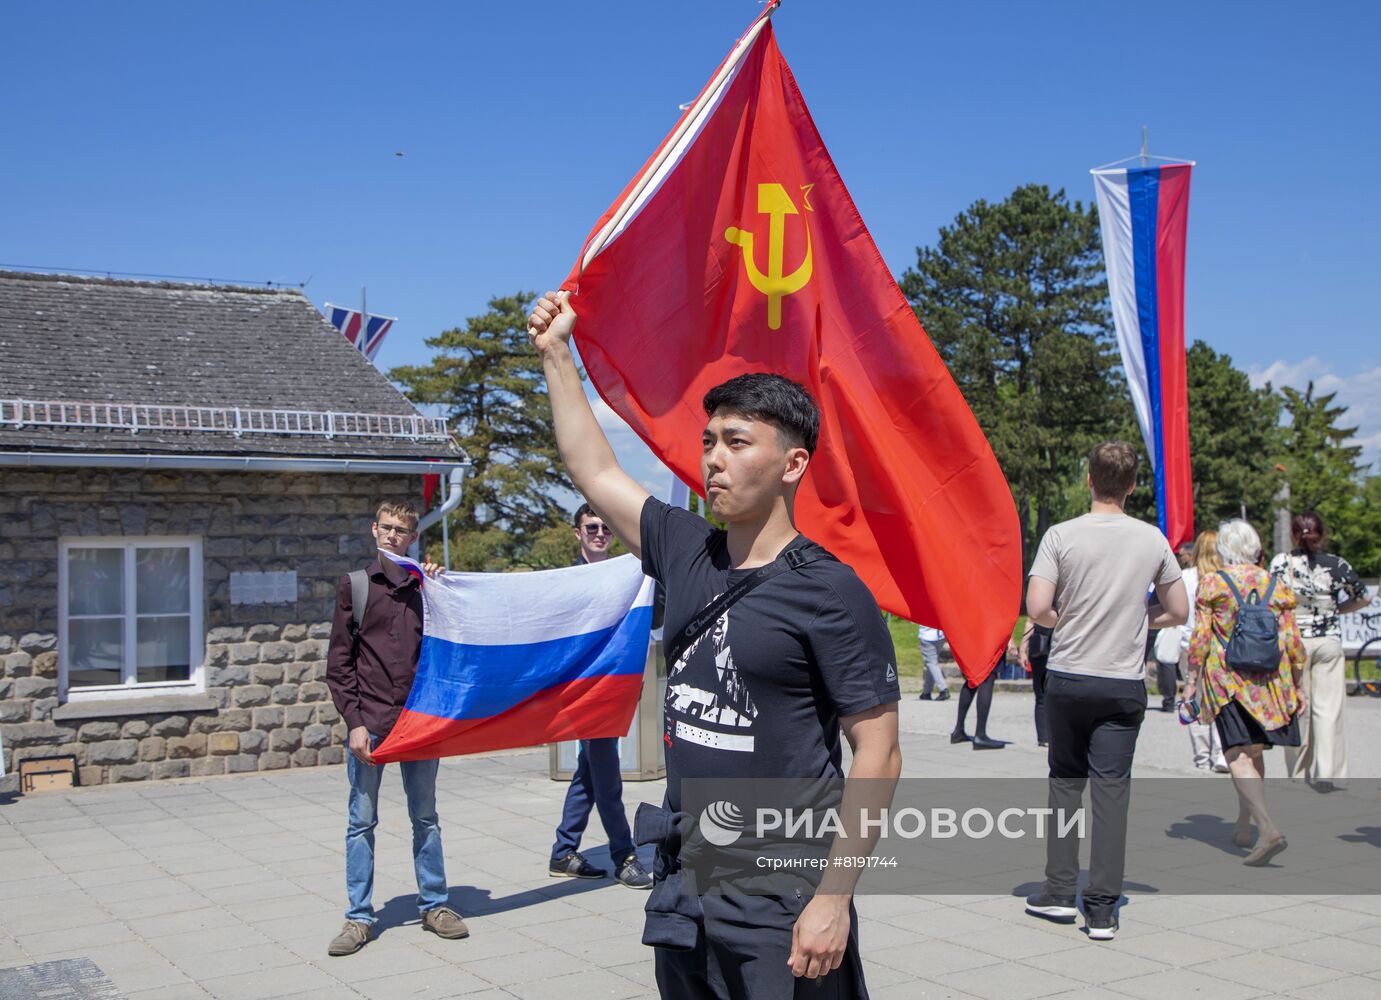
(760, 694)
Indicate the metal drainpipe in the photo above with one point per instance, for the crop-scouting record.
(452, 501)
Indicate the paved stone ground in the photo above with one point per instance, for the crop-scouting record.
(230, 887)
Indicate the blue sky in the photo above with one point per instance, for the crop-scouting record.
(257, 141)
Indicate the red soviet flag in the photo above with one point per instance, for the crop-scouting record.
(737, 249)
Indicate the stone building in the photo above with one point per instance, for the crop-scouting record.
(185, 471)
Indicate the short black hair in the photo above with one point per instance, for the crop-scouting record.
(582, 512)
(773, 399)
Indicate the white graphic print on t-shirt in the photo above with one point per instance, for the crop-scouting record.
(717, 696)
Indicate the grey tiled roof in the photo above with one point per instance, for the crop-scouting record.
(97, 339)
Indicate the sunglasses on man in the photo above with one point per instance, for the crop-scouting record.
(595, 530)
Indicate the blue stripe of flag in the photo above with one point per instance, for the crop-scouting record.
(1143, 196)
(458, 681)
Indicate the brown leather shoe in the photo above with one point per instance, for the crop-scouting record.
(445, 922)
(353, 936)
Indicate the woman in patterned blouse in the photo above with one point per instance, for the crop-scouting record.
(1326, 587)
(1251, 712)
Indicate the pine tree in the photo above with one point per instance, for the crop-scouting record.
(1325, 474)
(1322, 467)
(1013, 297)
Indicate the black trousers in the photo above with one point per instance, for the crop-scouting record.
(742, 951)
(1167, 677)
(1094, 722)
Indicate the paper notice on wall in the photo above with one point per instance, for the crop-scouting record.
(264, 588)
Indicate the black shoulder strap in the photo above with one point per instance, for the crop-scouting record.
(1270, 589)
(697, 626)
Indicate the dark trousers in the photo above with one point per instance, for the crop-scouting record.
(1094, 722)
(1038, 676)
(598, 783)
(741, 954)
(1167, 677)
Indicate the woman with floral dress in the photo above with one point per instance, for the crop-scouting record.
(1251, 711)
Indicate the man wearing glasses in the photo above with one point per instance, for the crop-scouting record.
(597, 781)
(370, 665)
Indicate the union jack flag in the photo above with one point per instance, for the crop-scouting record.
(347, 321)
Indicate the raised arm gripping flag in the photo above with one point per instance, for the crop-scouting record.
(1144, 213)
(518, 659)
(737, 249)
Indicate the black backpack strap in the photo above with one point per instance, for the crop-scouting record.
(791, 559)
(1270, 589)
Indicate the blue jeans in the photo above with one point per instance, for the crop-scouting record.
(597, 782)
(419, 784)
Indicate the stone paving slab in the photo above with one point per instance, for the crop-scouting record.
(230, 888)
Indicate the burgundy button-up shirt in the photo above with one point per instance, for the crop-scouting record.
(371, 690)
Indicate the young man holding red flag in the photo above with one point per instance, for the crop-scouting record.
(766, 691)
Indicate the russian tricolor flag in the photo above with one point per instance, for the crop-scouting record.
(519, 659)
(1144, 213)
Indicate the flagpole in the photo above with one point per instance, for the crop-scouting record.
(363, 340)
(691, 120)
(445, 526)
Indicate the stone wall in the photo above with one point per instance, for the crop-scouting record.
(265, 704)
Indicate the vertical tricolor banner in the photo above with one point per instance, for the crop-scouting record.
(1144, 213)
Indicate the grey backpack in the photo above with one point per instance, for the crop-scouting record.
(359, 597)
(1254, 646)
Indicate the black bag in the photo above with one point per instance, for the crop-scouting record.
(1254, 646)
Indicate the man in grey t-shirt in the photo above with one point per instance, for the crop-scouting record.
(1090, 581)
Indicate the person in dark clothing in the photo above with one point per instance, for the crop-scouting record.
(769, 686)
(983, 694)
(371, 661)
(598, 781)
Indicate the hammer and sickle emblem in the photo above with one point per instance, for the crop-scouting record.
(776, 204)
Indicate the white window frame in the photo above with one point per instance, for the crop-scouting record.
(132, 688)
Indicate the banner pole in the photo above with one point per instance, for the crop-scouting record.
(363, 338)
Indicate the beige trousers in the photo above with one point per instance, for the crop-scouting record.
(1322, 753)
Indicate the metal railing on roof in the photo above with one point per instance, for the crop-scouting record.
(234, 420)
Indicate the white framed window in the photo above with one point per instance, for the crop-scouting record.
(130, 617)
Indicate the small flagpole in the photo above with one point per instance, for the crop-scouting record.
(363, 339)
(445, 525)
(1145, 146)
